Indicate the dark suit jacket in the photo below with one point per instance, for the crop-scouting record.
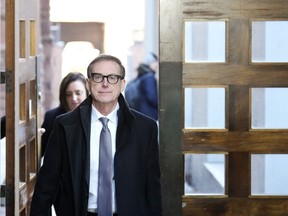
(136, 164)
(48, 122)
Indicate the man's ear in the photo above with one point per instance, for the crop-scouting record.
(123, 84)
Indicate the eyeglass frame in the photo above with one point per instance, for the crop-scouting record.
(107, 77)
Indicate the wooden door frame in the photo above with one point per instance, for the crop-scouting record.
(173, 141)
(22, 66)
(11, 179)
(170, 107)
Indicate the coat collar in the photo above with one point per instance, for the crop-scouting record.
(124, 111)
(125, 121)
(82, 115)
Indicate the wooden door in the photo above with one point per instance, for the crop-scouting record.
(223, 78)
(22, 42)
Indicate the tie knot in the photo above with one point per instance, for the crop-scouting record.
(104, 121)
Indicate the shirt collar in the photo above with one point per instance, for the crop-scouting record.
(112, 116)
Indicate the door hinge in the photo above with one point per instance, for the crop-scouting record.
(6, 77)
(2, 77)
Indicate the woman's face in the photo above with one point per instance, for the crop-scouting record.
(75, 94)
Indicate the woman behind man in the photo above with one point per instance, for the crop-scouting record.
(73, 90)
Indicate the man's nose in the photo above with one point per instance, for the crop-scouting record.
(105, 81)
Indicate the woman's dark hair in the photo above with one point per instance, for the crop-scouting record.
(105, 57)
(71, 77)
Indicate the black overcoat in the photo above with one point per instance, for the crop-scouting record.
(66, 162)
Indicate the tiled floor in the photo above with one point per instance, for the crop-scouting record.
(2, 211)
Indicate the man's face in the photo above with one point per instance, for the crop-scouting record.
(105, 93)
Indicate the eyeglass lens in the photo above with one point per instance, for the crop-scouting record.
(112, 78)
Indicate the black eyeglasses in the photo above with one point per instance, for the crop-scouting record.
(111, 78)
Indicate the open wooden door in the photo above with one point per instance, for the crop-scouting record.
(22, 43)
(223, 107)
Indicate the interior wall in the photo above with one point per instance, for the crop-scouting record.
(89, 31)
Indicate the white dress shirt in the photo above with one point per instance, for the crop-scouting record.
(96, 127)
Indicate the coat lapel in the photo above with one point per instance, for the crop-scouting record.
(85, 114)
(125, 124)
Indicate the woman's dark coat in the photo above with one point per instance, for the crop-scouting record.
(48, 122)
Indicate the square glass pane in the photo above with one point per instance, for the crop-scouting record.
(268, 173)
(22, 101)
(32, 100)
(22, 30)
(269, 41)
(204, 108)
(204, 174)
(269, 108)
(205, 41)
